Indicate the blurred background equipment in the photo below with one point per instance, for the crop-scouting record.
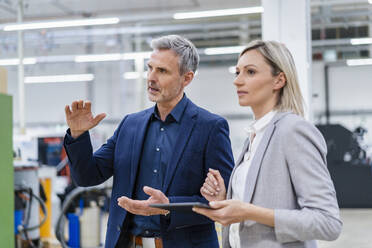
(349, 166)
(28, 194)
(84, 209)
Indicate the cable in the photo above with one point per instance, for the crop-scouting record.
(66, 204)
(24, 228)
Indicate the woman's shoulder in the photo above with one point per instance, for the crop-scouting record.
(294, 127)
(290, 122)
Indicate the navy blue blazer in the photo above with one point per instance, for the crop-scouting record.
(203, 143)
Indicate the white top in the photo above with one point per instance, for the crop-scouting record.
(255, 132)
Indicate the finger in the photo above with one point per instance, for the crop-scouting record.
(209, 189)
(217, 175)
(218, 204)
(88, 106)
(204, 191)
(212, 179)
(152, 192)
(80, 104)
(98, 119)
(211, 184)
(67, 111)
(123, 202)
(74, 106)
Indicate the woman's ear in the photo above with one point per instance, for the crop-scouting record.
(280, 81)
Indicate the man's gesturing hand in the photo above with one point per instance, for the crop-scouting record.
(142, 207)
(80, 118)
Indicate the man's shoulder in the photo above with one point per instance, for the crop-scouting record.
(205, 115)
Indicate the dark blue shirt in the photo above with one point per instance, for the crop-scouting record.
(160, 140)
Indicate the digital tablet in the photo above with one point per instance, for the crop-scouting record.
(180, 206)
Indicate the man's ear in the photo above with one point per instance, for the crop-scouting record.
(280, 81)
(188, 77)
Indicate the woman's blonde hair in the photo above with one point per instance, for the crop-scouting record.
(280, 59)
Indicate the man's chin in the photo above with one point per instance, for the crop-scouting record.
(152, 98)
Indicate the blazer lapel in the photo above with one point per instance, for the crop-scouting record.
(187, 125)
(139, 138)
(256, 163)
(237, 163)
(257, 159)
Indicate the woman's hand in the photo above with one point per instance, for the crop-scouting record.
(234, 211)
(214, 187)
(226, 212)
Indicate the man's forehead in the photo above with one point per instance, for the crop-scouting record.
(163, 57)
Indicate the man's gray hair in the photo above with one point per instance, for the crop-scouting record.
(188, 55)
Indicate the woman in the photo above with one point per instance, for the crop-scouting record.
(280, 192)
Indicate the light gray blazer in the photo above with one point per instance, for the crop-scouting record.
(289, 174)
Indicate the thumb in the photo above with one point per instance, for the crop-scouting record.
(218, 204)
(98, 118)
(151, 191)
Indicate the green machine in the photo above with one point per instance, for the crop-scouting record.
(6, 173)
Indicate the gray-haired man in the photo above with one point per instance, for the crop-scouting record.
(159, 155)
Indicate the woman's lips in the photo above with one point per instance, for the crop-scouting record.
(241, 93)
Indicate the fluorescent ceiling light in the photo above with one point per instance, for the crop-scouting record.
(370, 1)
(361, 41)
(219, 12)
(356, 62)
(26, 61)
(61, 24)
(98, 57)
(111, 57)
(133, 75)
(143, 55)
(60, 78)
(223, 50)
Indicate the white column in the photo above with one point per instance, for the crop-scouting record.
(288, 21)
(21, 71)
(370, 35)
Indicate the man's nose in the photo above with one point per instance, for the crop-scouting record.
(151, 76)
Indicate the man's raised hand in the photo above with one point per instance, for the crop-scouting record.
(80, 118)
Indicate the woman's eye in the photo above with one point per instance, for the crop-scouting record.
(251, 72)
(236, 74)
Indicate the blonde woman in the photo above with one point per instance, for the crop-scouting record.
(280, 192)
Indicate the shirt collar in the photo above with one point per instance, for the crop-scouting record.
(177, 111)
(261, 123)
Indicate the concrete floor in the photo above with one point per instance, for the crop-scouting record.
(356, 231)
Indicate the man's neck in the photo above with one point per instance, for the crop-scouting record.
(165, 108)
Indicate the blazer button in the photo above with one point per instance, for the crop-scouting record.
(118, 227)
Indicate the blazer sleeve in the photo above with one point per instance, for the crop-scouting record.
(318, 214)
(88, 169)
(218, 156)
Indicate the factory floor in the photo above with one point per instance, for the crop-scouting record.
(356, 231)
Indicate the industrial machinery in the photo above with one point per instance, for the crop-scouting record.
(81, 211)
(349, 165)
(83, 208)
(27, 203)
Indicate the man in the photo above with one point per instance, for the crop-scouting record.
(159, 155)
